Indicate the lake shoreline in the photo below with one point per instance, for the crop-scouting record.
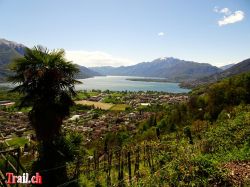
(120, 83)
(151, 80)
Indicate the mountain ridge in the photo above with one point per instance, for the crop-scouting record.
(226, 66)
(170, 68)
(239, 68)
(10, 50)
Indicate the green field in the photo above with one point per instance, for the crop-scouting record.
(85, 95)
(104, 106)
(119, 107)
(20, 141)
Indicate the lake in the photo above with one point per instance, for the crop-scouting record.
(120, 83)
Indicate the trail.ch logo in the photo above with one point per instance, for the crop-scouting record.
(23, 179)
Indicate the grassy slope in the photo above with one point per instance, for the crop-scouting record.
(217, 120)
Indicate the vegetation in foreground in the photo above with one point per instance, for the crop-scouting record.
(46, 81)
(187, 144)
(202, 142)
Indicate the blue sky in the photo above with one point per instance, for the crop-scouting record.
(125, 32)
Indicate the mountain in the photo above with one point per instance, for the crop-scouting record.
(236, 69)
(10, 50)
(226, 66)
(86, 73)
(172, 69)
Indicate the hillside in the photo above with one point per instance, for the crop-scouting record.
(10, 50)
(236, 69)
(170, 68)
(86, 73)
(226, 66)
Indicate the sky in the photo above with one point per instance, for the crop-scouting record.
(126, 32)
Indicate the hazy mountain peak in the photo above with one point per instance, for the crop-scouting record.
(163, 58)
(166, 58)
(10, 43)
(169, 60)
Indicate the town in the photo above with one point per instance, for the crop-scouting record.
(94, 114)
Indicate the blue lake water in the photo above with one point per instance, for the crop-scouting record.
(119, 83)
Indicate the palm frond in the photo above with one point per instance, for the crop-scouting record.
(43, 74)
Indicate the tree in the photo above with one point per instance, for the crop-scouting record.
(46, 81)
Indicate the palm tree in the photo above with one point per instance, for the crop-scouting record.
(46, 81)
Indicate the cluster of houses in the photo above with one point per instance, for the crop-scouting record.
(98, 98)
(144, 98)
(108, 122)
(147, 99)
(89, 124)
(10, 123)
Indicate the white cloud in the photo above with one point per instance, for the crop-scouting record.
(232, 18)
(225, 11)
(161, 34)
(96, 58)
(216, 9)
(229, 16)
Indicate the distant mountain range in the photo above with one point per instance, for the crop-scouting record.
(10, 50)
(241, 67)
(189, 73)
(172, 69)
(86, 73)
(226, 66)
